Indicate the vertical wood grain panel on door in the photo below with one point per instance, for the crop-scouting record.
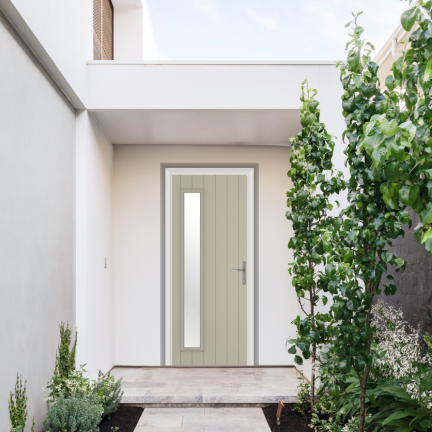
(221, 270)
(210, 270)
(233, 263)
(243, 257)
(176, 269)
(198, 356)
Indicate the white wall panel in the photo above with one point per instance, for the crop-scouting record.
(37, 223)
(137, 244)
(95, 289)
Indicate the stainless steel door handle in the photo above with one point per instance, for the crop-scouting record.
(242, 270)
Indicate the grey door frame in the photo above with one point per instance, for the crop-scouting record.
(250, 276)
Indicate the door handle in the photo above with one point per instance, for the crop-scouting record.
(242, 270)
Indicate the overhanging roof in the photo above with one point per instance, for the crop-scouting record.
(160, 102)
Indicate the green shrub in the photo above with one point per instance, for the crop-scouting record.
(18, 408)
(108, 392)
(65, 362)
(73, 414)
(303, 392)
(75, 385)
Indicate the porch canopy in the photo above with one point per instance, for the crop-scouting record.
(166, 102)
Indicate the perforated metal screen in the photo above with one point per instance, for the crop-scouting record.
(103, 30)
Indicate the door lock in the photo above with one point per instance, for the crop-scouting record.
(242, 270)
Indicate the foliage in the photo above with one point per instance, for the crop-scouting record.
(108, 392)
(309, 199)
(18, 408)
(403, 353)
(326, 417)
(428, 339)
(72, 414)
(409, 162)
(392, 400)
(65, 364)
(303, 392)
(75, 384)
(358, 256)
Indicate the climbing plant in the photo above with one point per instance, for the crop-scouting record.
(309, 199)
(358, 255)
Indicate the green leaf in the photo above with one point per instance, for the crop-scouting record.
(292, 350)
(408, 194)
(392, 171)
(428, 71)
(408, 18)
(404, 428)
(426, 235)
(389, 82)
(354, 338)
(354, 60)
(398, 415)
(404, 217)
(330, 271)
(352, 305)
(379, 156)
(389, 128)
(324, 300)
(298, 360)
(387, 256)
(428, 245)
(373, 141)
(347, 255)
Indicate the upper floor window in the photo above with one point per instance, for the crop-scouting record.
(103, 30)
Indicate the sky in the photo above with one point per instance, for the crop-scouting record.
(266, 29)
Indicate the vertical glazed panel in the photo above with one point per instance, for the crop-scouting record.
(192, 269)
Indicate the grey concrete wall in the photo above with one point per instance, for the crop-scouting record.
(37, 222)
(414, 294)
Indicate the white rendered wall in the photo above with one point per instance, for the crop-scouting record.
(95, 289)
(37, 223)
(65, 30)
(137, 245)
(133, 32)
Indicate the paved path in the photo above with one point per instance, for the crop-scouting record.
(202, 420)
(207, 386)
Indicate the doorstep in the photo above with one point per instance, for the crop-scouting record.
(207, 387)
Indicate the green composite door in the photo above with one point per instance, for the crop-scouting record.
(209, 241)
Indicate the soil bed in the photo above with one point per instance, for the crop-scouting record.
(125, 418)
(291, 420)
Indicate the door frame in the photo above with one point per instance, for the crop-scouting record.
(249, 172)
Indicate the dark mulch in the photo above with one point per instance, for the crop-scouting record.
(292, 421)
(125, 418)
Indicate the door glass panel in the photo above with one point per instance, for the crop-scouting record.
(192, 270)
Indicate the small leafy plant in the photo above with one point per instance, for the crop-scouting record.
(18, 407)
(64, 370)
(302, 406)
(108, 392)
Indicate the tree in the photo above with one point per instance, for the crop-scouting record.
(409, 168)
(359, 258)
(309, 199)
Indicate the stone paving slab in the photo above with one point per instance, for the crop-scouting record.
(202, 420)
(211, 386)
